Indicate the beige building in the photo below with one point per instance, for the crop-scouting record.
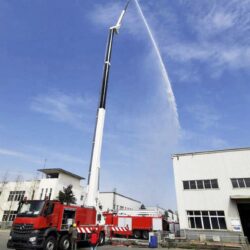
(213, 194)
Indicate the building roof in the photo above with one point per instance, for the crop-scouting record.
(58, 171)
(240, 197)
(211, 151)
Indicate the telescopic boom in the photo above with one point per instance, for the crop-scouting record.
(94, 168)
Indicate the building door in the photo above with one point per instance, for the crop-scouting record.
(244, 211)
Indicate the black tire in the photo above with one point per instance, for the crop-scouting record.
(64, 243)
(137, 234)
(50, 243)
(145, 235)
(101, 238)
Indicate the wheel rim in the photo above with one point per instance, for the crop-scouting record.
(137, 234)
(50, 245)
(66, 244)
(145, 235)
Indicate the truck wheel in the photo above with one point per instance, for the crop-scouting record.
(50, 243)
(145, 235)
(101, 238)
(137, 234)
(64, 243)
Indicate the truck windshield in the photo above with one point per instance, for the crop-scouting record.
(30, 208)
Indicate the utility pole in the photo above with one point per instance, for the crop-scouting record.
(34, 186)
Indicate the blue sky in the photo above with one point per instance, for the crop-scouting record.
(51, 60)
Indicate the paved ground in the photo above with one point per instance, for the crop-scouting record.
(4, 235)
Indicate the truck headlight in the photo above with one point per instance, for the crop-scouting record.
(32, 239)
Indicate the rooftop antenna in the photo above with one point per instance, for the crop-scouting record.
(44, 165)
(94, 168)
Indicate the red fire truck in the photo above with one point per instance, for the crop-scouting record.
(44, 224)
(137, 224)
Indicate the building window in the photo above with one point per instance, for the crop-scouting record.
(201, 184)
(33, 194)
(240, 182)
(16, 195)
(207, 220)
(41, 195)
(9, 215)
(192, 185)
(46, 191)
(214, 183)
(50, 192)
(10, 198)
(186, 184)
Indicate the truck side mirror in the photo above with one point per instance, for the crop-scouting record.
(45, 212)
(48, 209)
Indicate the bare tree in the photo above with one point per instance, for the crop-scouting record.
(4, 181)
(34, 186)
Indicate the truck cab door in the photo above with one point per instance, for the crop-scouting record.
(48, 213)
(68, 218)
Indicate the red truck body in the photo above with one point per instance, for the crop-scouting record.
(135, 225)
(42, 224)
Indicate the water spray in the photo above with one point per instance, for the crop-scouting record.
(170, 94)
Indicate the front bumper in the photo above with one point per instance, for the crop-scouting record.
(19, 241)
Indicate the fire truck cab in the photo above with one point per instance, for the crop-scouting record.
(44, 224)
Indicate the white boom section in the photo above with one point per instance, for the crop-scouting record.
(92, 189)
(118, 24)
(92, 198)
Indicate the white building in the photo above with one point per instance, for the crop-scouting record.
(115, 201)
(49, 186)
(213, 194)
(12, 192)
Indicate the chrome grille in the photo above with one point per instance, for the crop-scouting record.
(22, 228)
